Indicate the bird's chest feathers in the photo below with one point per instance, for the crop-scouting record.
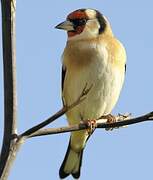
(85, 65)
(78, 55)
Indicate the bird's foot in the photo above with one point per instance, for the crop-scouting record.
(110, 119)
(91, 125)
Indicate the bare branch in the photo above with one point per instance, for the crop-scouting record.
(58, 114)
(122, 121)
(9, 64)
(125, 122)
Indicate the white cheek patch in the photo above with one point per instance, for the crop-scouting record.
(93, 26)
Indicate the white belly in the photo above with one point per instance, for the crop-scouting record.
(106, 85)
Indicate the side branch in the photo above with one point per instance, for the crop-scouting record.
(101, 123)
(58, 114)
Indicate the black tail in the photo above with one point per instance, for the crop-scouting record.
(71, 164)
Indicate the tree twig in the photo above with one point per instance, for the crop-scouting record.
(122, 120)
(9, 64)
(58, 114)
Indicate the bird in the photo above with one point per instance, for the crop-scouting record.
(93, 56)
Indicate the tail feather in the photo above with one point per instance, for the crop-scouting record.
(71, 164)
(77, 170)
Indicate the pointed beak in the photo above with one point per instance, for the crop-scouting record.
(66, 25)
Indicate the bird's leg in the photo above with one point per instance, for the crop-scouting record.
(91, 125)
(110, 119)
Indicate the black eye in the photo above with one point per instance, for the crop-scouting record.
(78, 22)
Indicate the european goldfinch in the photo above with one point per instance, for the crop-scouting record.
(92, 57)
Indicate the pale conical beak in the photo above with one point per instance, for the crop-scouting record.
(66, 25)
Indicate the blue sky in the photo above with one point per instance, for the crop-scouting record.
(121, 154)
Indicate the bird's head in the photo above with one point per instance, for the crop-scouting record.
(85, 24)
